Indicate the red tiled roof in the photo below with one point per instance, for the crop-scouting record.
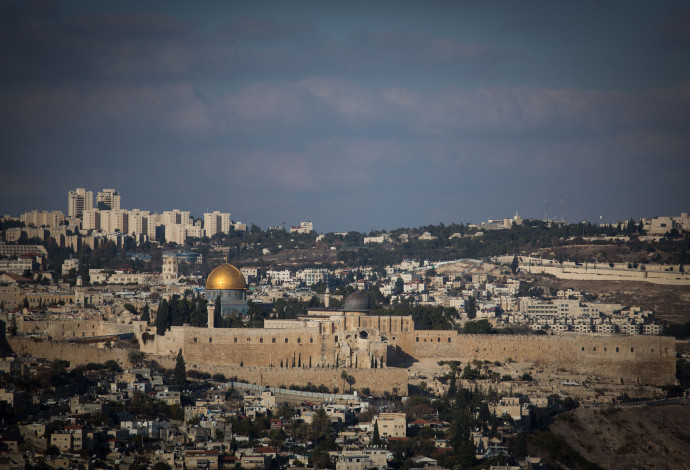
(265, 450)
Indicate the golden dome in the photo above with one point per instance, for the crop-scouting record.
(226, 276)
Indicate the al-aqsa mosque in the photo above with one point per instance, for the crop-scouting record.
(227, 282)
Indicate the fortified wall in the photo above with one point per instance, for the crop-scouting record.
(625, 359)
(76, 354)
(72, 329)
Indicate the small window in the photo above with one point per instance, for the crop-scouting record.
(604, 348)
(210, 340)
(235, 339)
(594, 348)
(249, 339)
(261, 340)
(273, 340)
(439, 340)
(286, 340)
(311, 340)
(632, 349)
(418, 339)
(616, 348)
(299, 340)
(583, 348)
(449, 339)
(195, 340)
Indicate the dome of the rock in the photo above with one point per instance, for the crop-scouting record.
(226, 277)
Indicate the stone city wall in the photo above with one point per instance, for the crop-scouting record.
(610, 274)
(378, 381)
(72, 329)
(636, 359)
(246, 346)
(76, 354)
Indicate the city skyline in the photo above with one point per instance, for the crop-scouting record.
(352, 116)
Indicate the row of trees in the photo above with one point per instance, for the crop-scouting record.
(181, 310)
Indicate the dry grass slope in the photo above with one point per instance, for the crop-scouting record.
(635, 437)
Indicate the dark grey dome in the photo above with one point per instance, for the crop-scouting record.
(356, 302)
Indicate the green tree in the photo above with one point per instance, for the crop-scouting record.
(163, 318)
(399, 286)
(218, 320)
(146, 314)
(514, 265)
(136, 358)
(180, 372)
(471, 307)
(376, 440)
(320, 427)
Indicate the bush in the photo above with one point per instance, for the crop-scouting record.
(112, 366)
(218, 377)
(527, 377)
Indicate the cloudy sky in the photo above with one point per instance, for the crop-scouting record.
(354, 115)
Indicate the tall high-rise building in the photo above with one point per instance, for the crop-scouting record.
(78, 201)
(216, 222)
(108, 199)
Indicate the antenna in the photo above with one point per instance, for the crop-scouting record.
(546, 208)
(562, 220)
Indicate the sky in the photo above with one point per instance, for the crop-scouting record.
(354, 115)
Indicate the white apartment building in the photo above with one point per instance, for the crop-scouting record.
(78, 201)
(176, 217)
(138, 222)
(179, 225)
(108, 199)
(312, 275)
(43, 218)
(279, 275)
(217, 222)
(303, 227)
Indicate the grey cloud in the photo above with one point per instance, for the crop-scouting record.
(262, 29)
(675, 28)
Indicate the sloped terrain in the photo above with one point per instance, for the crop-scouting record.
(669, 303)
(634, 437)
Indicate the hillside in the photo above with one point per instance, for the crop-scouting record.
(633, 437)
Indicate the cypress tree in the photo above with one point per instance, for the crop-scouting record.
(180, 372)
(163, 320)
(376, 440)
(217, 317)
(145, 314)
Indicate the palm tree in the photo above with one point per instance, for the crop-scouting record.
(136, 358)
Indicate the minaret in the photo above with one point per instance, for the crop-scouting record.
(327, 297)
(211, 309)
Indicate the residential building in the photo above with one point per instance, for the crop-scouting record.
(108, 199)
(391, 424)
(217, 222)
(43, 218)
(78, 201)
